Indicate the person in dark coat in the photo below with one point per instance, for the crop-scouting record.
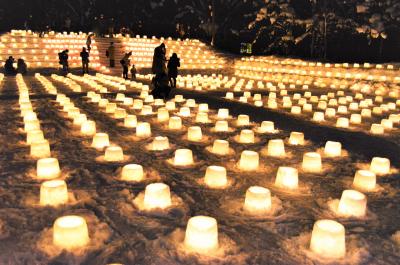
(9, 66)
(159, 60)
(63, 57)
(173, 64)
(85, 60)
(125, 62)
(22, 68)
(161, 86)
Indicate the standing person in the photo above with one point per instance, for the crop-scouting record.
(89, 42)
(85, 61)
(110, 53)
(22, 68)
(133, 72)
(63, 57)
(173, 64)
(125, 61)
(9, 66)
(159, 60)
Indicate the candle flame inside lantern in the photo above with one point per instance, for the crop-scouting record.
(53, 193)
(48, 168)
(249, 160)
(157, 195)
(70, 232)
(132, 172)
(287, 178)
(365, 180)
(312, 162)
(114, 154)
(258, 200)
(201, 234)
(352, 203)
(328, 239)
(183, 157)
(215, 177)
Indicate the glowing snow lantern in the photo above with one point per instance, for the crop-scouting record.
(113, 154)
(157, 195)
(328, 239)
(202, 117)
(79, 119)
(31, 125)
(70, 232)
(287, 178)
(203, 107)
(380, 165)
(223, 114)
(183, 157)
(355, 118)
(276, 148)
(147, 110)
(312, 162)
(215, 177)
(201, 234)
(267, 127)
(130, 121)
(194, 134)
(295, 110)
(111, 107)
(132, 172)
(100, 140)
(352, 204)
(48, 168)
(40, 149)
(333, 149)
(53, 193)
(221, 126)
(175, 123)
(184, 112)
(137, 104)
(120, 113)
(88, 128)
(318, 116)
(162, 115)
(249, 160)
(365, 180)
(160, 143)
(34, 136)
(143, 129)
(377, 128)
(342, 122)
(170, 105)
(243, 120)
(246, 136)
(258, 200)
(296, 138)
(220, 147)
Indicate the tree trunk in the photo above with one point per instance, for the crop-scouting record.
(213, 21)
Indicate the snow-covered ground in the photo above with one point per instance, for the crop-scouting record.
(121, 232)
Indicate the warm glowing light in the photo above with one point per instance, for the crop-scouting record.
(223, 113)
(100, 140)
(287, 178)
(352, 204)
(342, 122)
(333, 149)
(221, 126)
(312, 162)
(377, 129)
(249, 160)
(203, 107)
(258, 200)
(365, 180)
(328, 239)
(143, 130)
(88, 128)
(34, 136)
(130, 121)
(243, 120)
(267, 127)
(202, 117)
(194, 134)
(380, 165)
(183, 157)
(296, 138)
(111, 107)
(48, 168)
(220, 147)
(157, 195)
(32, 125)
(40, 149)
(160, 143)
(246, 136)
(175, 123)
(70, 232)
(114, 154)
(184, 112)
(162, 115)
(201, 234)
(120, 113)
(276, 148)
(132, 172)
(53, 193)
(215, 177)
